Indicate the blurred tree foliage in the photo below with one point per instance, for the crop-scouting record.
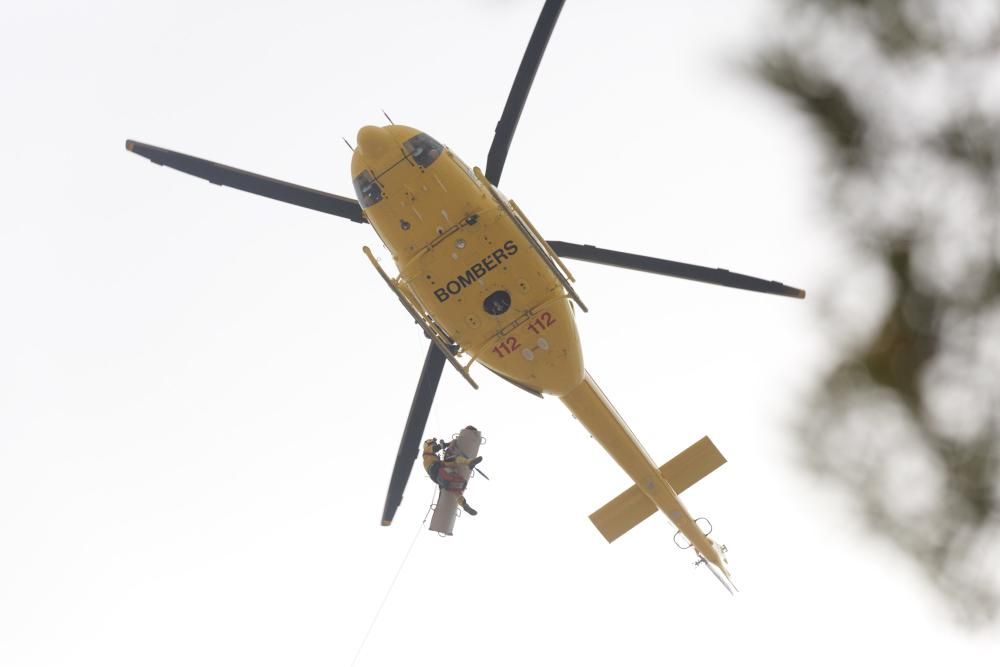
(905, 96)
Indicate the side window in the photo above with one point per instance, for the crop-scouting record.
(423, 149)
(367, 188)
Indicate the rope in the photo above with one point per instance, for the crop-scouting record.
(392, 584)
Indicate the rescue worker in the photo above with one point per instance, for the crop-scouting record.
(436, 465)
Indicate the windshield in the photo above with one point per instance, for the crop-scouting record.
(367, 188)
(423, 149)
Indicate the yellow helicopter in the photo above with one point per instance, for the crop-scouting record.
(486, 287)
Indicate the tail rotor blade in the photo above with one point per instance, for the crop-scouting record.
(666, 267)
(416, 422)
(519, 91)
(723, 577)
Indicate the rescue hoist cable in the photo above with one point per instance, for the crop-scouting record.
(392, 584)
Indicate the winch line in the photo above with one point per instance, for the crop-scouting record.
(392, 584)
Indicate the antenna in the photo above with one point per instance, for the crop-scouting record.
(387, 117)
(348, 144)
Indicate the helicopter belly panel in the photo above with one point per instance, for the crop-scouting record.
(542, 351)
(493, 295)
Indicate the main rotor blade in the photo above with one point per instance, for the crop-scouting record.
(519, 91)
(221, 174)
(666, 267)
(409, 444)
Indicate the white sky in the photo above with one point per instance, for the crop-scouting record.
(202, 391)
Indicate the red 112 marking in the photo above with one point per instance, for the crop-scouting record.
(542, 322)
(506, 347)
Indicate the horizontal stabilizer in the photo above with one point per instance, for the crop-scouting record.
(631, 507)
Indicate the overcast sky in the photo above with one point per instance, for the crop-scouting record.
(202, 391)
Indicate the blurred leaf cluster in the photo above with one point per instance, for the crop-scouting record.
(904, 96)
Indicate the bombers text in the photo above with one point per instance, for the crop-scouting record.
(476, 271)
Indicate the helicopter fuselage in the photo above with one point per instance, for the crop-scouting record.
(487, 285)
(464, 262)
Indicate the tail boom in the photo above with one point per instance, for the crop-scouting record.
(593, 409)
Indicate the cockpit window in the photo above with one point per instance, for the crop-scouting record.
(423, 149)
(367, 188)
